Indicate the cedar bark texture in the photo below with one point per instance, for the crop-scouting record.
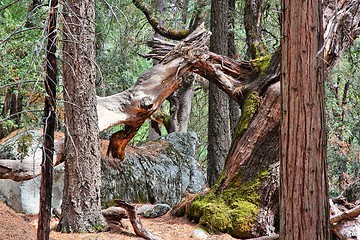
(304, 210)
(81, 202)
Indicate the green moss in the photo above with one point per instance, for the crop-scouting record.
(250, 106)
(260, 64)
(23, 144)
(234, 210)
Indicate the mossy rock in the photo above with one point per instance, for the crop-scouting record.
(233, 211)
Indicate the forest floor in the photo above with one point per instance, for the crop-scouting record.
(14, 226)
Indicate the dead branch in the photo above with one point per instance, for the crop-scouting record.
(341, 28)
(135, 222)
(167, 32)
(134, 105)
(119, 140)
(114, 214)
(29, 168)
(347, 215)
(9, 5)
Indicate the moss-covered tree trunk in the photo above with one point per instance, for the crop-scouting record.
(245, 200)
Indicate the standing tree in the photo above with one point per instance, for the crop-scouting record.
(304, 211)
(81, 209)
(50, 81)
(218, 126)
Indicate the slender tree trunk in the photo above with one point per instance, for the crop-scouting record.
(218, 134)
(81, 206)
(43, 230)
(304, 210)
(234, 108)
(252, 23)
(155, 130)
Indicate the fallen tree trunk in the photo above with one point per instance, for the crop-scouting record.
(29, 165)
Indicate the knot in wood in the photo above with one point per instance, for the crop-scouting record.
(146, 103)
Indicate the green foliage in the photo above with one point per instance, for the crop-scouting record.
(21, 64)
(343, 114)
(199, 121)
(119, 44)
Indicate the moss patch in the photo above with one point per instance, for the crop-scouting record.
(251, 104)
(260, 64)
(234, 210)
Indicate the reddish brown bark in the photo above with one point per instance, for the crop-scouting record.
(304, 210)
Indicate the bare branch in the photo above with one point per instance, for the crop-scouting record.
(350, 214)
(9, 5)
(135, 222)
(160, 29)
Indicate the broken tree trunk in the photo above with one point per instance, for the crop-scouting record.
(47, 167)
(133, 106)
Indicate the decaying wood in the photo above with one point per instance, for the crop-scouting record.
(345, 224)
(30, 167)
(134, 105)
(114, 215)
(119, 140)
(341, 26)
(135, 221)
(349, 214)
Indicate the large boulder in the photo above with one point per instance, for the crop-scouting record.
(155, 172)
(24, 196)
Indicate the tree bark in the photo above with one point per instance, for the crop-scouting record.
(81, 206)
(43, 230)
(218, 125)
(252, 160)
(180, 105)
(234, 108)
(304, 210)
(249, 87)
(252, 22)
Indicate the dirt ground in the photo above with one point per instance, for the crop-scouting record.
(15, 226)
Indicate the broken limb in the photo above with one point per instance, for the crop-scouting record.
(135, 221)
